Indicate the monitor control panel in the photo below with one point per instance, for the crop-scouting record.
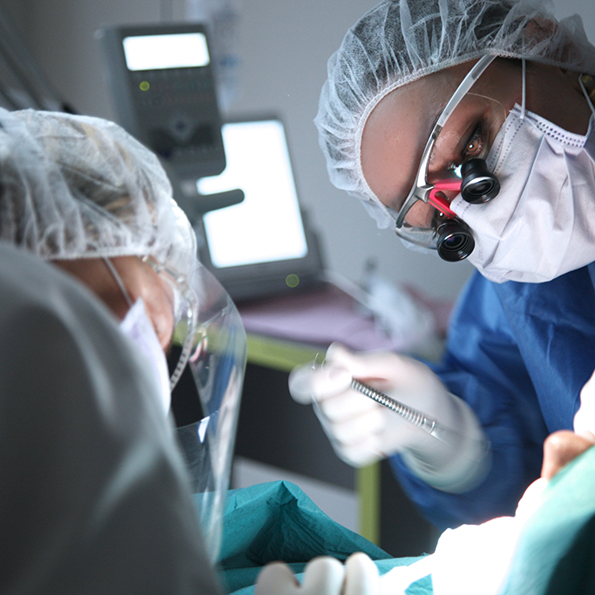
(164, 92)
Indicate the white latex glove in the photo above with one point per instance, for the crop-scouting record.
(584, 420)
(362, 431)
(471, 559)
(476, 559)
(322, 576)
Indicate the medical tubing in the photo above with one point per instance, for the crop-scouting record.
(112, 269)
(456, 467)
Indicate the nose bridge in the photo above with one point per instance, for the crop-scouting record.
(450, 194)
(443, 193)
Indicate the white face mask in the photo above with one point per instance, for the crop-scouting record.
(542, 223)
(137, 326)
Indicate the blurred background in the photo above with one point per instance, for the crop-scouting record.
(272, 58)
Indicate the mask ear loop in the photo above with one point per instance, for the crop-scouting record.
(112, 269)
(587, 94)
(191, 317)
(523, 108)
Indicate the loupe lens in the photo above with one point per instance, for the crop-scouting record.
(416, 221)
(455, 242)
(479, 185)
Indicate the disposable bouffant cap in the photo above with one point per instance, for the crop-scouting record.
(82, 187)
(400, 41)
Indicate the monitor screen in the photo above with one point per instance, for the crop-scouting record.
(158, 52)
(267, 226)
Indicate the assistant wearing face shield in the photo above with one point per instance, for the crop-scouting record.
(99, 277)
(399, 122)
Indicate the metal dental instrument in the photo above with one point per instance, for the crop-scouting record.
(413, 416)
(409, 414)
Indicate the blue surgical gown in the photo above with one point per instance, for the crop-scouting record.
(518, 354)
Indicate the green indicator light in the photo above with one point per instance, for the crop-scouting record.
(144, 86)
(292, 280)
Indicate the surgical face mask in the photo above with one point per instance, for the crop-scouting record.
(137, 326)
(541, 225)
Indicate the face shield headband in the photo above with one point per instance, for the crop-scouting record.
(446, 233)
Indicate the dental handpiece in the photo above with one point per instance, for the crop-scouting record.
(417, 418)
(413, 416)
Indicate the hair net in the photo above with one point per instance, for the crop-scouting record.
(399, 41)
(81, 187)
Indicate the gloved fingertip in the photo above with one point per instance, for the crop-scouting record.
(338, 352)
(323, 576)
(361, 575)
(354, 457)
(276, 578)
(316, 385)
(308, 383)
(300, 384)
(334, 378)
(361, 560)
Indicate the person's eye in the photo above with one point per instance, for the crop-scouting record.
(475, 144)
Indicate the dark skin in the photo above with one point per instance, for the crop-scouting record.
(399, 126)
(140, 280)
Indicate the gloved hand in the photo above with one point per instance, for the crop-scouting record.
(362, 431)
(322, 576)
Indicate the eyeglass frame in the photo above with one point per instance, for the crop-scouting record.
(421, 189)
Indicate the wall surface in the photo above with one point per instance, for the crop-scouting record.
(283, 47)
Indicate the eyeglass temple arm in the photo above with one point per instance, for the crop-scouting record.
(454, 101)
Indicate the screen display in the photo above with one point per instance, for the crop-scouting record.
(267, 226)
(156, 52)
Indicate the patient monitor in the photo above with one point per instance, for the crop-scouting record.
(164, 93)
(234, 180)
(264, 245)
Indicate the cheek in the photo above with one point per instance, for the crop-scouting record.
(161, 312)
(164, 326)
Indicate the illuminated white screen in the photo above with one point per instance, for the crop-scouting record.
(155, 52)
(267, 226)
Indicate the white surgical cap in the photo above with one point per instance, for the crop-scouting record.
(399, 41)
(81, 187)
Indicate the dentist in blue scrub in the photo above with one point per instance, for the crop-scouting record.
(467, 128)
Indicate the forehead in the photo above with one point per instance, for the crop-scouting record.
(396, 133)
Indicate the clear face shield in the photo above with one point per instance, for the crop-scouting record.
(212, 344)
(454, 162)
